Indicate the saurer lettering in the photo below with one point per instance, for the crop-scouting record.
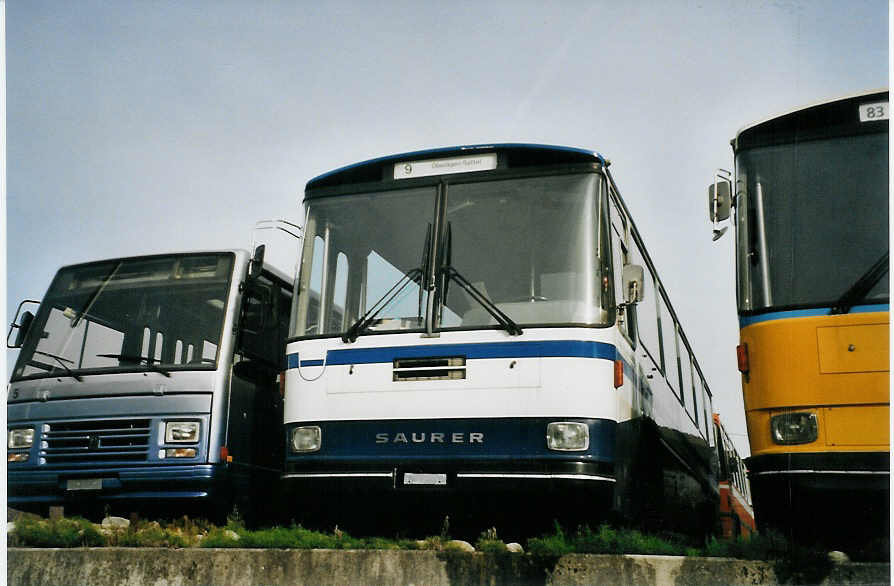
(430, 438)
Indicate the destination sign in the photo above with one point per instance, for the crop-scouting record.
(411, 169)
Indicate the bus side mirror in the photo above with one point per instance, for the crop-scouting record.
(23, 327)
(257, 262)
(719, 200)
(632, 283)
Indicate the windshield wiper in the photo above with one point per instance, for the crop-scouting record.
(61, 362)
(95, 295)
(504, 320)
(358, 327)
(150, 362)
(861, 287)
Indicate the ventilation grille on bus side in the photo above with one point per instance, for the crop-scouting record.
(109, 440)
(416, 369)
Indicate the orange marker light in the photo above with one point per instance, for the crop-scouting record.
(225, 455)
(619, 373)
(742, 357)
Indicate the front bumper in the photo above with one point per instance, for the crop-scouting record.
(450, 476)
(845, 471)
(149, 484)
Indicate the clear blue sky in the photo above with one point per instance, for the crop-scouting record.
(136, 127)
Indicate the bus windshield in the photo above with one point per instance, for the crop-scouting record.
(812, 218)
(536, 248)
(154, 313)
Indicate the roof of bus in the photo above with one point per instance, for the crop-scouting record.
(799, 114)
(570, 154)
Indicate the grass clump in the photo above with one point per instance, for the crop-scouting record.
(295, 537)
(150, 535)
(71, 532)
(488, 542)
(434, 543)
(607, 540)
(760, 546)
(183, 532)
(557, 544)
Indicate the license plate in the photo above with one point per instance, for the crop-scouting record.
(84, 484)
(425, 479)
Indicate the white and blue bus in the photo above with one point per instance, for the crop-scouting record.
(485, 320)
(150, 383)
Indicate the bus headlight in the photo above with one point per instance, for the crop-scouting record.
(793, 428)
(20, 439)
(306, 439)
(177, 432)
(566, 436)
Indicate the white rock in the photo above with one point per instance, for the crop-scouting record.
(838, 557)
(115, 523)
(10, 527)
(515, 548)
(460, 545)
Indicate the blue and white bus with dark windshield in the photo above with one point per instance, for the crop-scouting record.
(150, 382)
(485, 321)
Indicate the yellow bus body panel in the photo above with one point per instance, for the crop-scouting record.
(834, 366)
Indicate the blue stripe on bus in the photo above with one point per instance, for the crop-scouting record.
(815, 312)
(541, 349)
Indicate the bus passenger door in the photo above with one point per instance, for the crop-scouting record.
(256, 405)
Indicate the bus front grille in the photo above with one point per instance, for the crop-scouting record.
(108, 440)
(429, 368)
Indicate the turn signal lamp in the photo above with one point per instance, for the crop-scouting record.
(742, 358)
(177, 453)
(793, 428)
(619, 373)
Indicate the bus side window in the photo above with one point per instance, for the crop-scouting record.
(707, 407)
(688, 387)
(265, 320)
(671, 359)
(620, 257)
(256, 304)
(647, 310)
(619, 254)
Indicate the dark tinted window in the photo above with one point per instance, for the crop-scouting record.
(824, 206)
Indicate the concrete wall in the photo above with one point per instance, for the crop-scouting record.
(166, 567)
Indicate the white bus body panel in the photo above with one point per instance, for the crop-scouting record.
(493, 387)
